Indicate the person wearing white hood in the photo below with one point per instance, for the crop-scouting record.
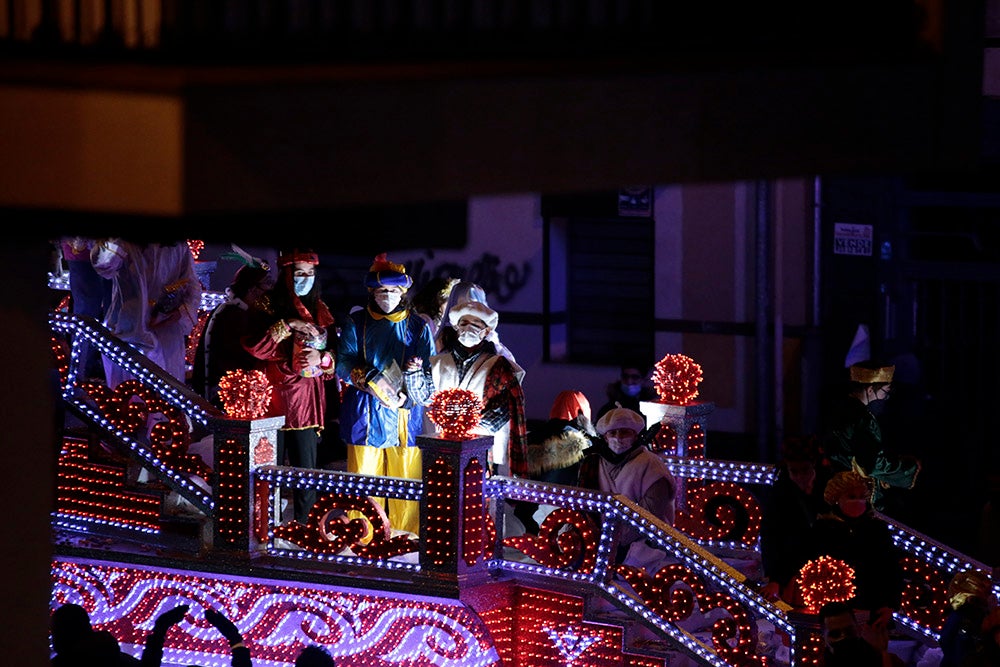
(473, 363)
(621, 464)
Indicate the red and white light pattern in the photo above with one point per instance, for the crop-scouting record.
(476, 540)
(735, 514)
(676, 378)
(96, 491)
(276, 619)
(567, 540)
(925, 597)
(675, 593)
(138, 411)
(245, 394)
(456, 412)
(441, 525)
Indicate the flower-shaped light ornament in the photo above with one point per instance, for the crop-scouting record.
(825, 579)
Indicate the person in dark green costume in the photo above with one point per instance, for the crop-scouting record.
(852, 437)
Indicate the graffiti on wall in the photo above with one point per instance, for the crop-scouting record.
(501, 282)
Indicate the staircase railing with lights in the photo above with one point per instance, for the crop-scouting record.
(462, 541)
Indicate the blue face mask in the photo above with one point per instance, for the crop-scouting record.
(303, 284)
(631, 389)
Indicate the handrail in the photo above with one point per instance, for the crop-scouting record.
(684, 562)
(153, 379)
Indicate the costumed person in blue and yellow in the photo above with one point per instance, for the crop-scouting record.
(852, 438)
(294, 341)
(378, 421)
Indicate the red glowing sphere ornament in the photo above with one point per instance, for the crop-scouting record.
(676, 378)
(245, 394)
(455, 412)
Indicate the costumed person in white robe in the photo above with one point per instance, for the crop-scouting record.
(621, 464)
(444, 338)
(473, 364)
(155, 297)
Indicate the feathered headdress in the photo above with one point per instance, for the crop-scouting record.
(240, 255)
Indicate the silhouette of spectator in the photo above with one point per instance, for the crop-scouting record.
(314, 656)
(631, 388)
(102, 648)
(70, 628)
(75, 642)
(152, 654)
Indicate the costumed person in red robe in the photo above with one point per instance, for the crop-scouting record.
(295, 342)
(472, 363)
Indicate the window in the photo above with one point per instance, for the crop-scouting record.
(600, 302)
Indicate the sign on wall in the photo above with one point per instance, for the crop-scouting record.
(851, 239)
(635, 201)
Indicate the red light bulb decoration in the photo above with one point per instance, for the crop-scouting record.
(245, 394)
(826, 579)
(60, 356)
(676, 378)
(192, 339)
(195, 247)
(925, 597)
(474, 527)
(455, 412)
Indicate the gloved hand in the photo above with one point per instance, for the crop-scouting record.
(170, 617)
(225, 626)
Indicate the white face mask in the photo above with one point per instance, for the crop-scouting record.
(470, 338)
(619, 445)
(303, 284)
(388, 301)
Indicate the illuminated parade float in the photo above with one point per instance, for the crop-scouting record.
(165, 500)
